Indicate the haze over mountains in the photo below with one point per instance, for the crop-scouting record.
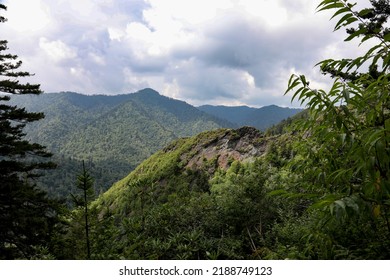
(116, 133)
(260, 118)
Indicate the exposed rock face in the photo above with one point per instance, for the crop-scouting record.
(243, 144)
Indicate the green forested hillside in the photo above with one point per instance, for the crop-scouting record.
(64, 113)
(229, 194)
(199, 197)
(113, 134)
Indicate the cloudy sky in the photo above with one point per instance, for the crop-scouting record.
(230, 52)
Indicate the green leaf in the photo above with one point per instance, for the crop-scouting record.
(340, 11)
(280, 192)
(349, 21)
(346, 95)
(350, 201)
(365, 38)
(303, 79)
(345, 20)
(387, 37)
(333, 5)
(340, 203)
(355, 34)
(387, 124)
(376, 211)
(365, 12)
(292, 83)
(331, 208)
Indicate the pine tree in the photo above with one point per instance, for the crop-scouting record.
(85, 184)
(26, 214)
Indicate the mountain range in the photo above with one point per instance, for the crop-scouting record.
(260, 118)
(114, 134)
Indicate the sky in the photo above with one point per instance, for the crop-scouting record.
(219, 52)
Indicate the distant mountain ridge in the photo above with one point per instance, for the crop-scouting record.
(113, 134)
(260, 118)
(69, 114)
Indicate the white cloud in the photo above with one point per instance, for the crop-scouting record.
(98, 59)
(28, 16)
(133, 82)
(228, 51)
(57, 50)
(269, 12)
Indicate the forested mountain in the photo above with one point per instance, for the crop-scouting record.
(261, 118)
(231, 194)
(182, 202)
(65, 112)
(113, 134)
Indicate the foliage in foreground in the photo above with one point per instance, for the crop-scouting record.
(321, 191)
(345, 160)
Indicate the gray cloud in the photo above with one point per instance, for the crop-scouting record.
(132, 8)
(233, 47)
(112, 47)
(201, 82)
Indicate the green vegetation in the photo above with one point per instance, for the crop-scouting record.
(315, 186)
(344, 163)
(320, 189)
(181, 204)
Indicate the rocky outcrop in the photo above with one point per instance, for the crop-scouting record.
(243, 144)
